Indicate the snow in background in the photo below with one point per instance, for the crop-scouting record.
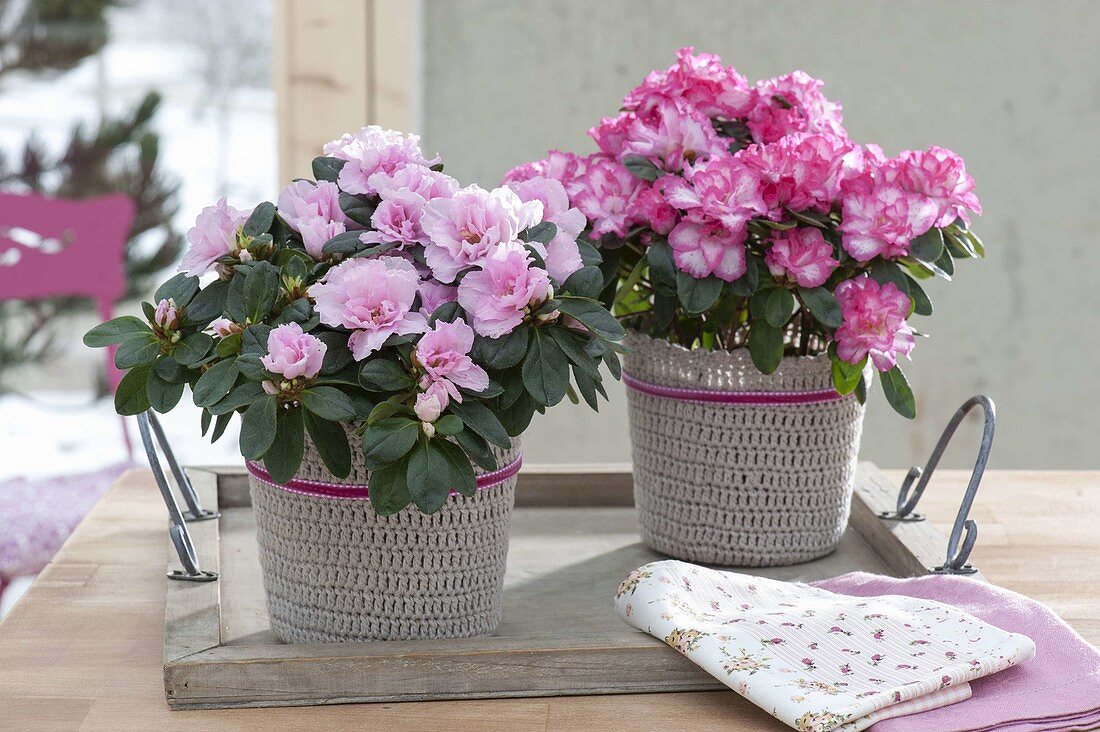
(209, 60)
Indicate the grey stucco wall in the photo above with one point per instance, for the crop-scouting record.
(1014, 87)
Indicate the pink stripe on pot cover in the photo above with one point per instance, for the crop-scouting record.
(324, 489)
(762, 398)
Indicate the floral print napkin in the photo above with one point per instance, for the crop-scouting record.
(813, 659)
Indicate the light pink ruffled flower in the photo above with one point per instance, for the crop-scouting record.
(166, 316)
(419, 179)
(940, 175)
(292, 353)
(606, 194)
(802, 255)
(443, 353)
(561, 166)
(433, 294)
(373, 298)
(792, 103)
(214, 235)
(224, 327)
(674, 135)
(880, 218)
(802, 172)
(611, 134)
(405, 193)
(703, 249)
(722, 189)
(701, 80)
(651, 207)
(874, 323)
(497, 296)
(467, 227)
(313, 210)
(371, 150)
(561, 254)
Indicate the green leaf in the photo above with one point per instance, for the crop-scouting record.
(746, 284)
(846, 376)
(898, 392)
(168, 369)
(132, 395)
(163, 395)
(823, 305)
(234, 297)
(357, 208)
(193, 348)
(503, 352)
(261, 290)
(389, 489)
(946, 265)
(298, 311)
(344, 244)
(429, 476)
(328, 402)
(215, 383)
(545, 370)
(258, 427)
(239, 396)
(480, 419)
(517, 418)
(779, 307)
(204, 421)
(250, 365)
(631, 281)
(765, 346)
(389, 439)
(179, 289)
(260, 220)
(883, 271)
(326, 168)
(337, 355)
(594, 317)
(462, 473)
(115, 331)
(542, 232)
(448, 424)
(477, 449)
(228, 346)
(219, 426)
(662, 269)
(382, 374)
(587, 387)
(928, 247)
(208, 304)
(640, 167)
(332, 444)
(447, 312)
(137, 350)
(921, 304)
(697, 295)
(573, 347)
(284, 457)
(254, 339)
(587, 281)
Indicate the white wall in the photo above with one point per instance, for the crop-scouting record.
(1012, 86)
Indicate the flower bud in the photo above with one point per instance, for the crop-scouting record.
(429, 429)
(428, 408)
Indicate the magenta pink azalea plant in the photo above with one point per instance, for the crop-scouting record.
(732, 215)
(431, 320)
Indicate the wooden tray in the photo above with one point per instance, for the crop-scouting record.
(574, 538)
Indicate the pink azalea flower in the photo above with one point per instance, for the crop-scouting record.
(606, 194)
(467, 227)
(701, 80)
(561, 254)
(792, 103)
(651, 207)
(443, 353)
(675, 135)
(303, 199)
(371, 150)
(166, 316)
(224, 327)
(801, 254)
(405, 193)
(802, 172)
(722, 189)
(431, 403)
(433, 294)
(316, 232)
(498, 295)
(292, 353)
(940, 175)
(373, 298)
(216, 234)
(880, 218)
(561, 166)
(611, 134)
(874, 323)
(422, 180)
(703, 249)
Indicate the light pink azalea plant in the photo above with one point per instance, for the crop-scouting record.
(431, 319)
(732, 215)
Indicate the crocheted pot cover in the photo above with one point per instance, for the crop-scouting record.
(750, 470)
(335, 571)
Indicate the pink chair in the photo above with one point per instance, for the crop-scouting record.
(54, 248)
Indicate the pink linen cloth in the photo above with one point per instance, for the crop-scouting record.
(1058, 690)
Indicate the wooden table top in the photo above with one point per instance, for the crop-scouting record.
(83, 649)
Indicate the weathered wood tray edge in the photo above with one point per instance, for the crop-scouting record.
(200, 673)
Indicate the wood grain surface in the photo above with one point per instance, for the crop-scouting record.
(83, 649)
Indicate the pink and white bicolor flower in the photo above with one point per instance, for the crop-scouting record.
(707, 248)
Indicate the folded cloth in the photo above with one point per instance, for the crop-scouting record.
(814, 659)
(1059, 690)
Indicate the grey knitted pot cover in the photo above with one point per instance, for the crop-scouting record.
(335, 571)
(748, 485)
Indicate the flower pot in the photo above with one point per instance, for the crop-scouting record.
(335, 571)
(736, 467)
